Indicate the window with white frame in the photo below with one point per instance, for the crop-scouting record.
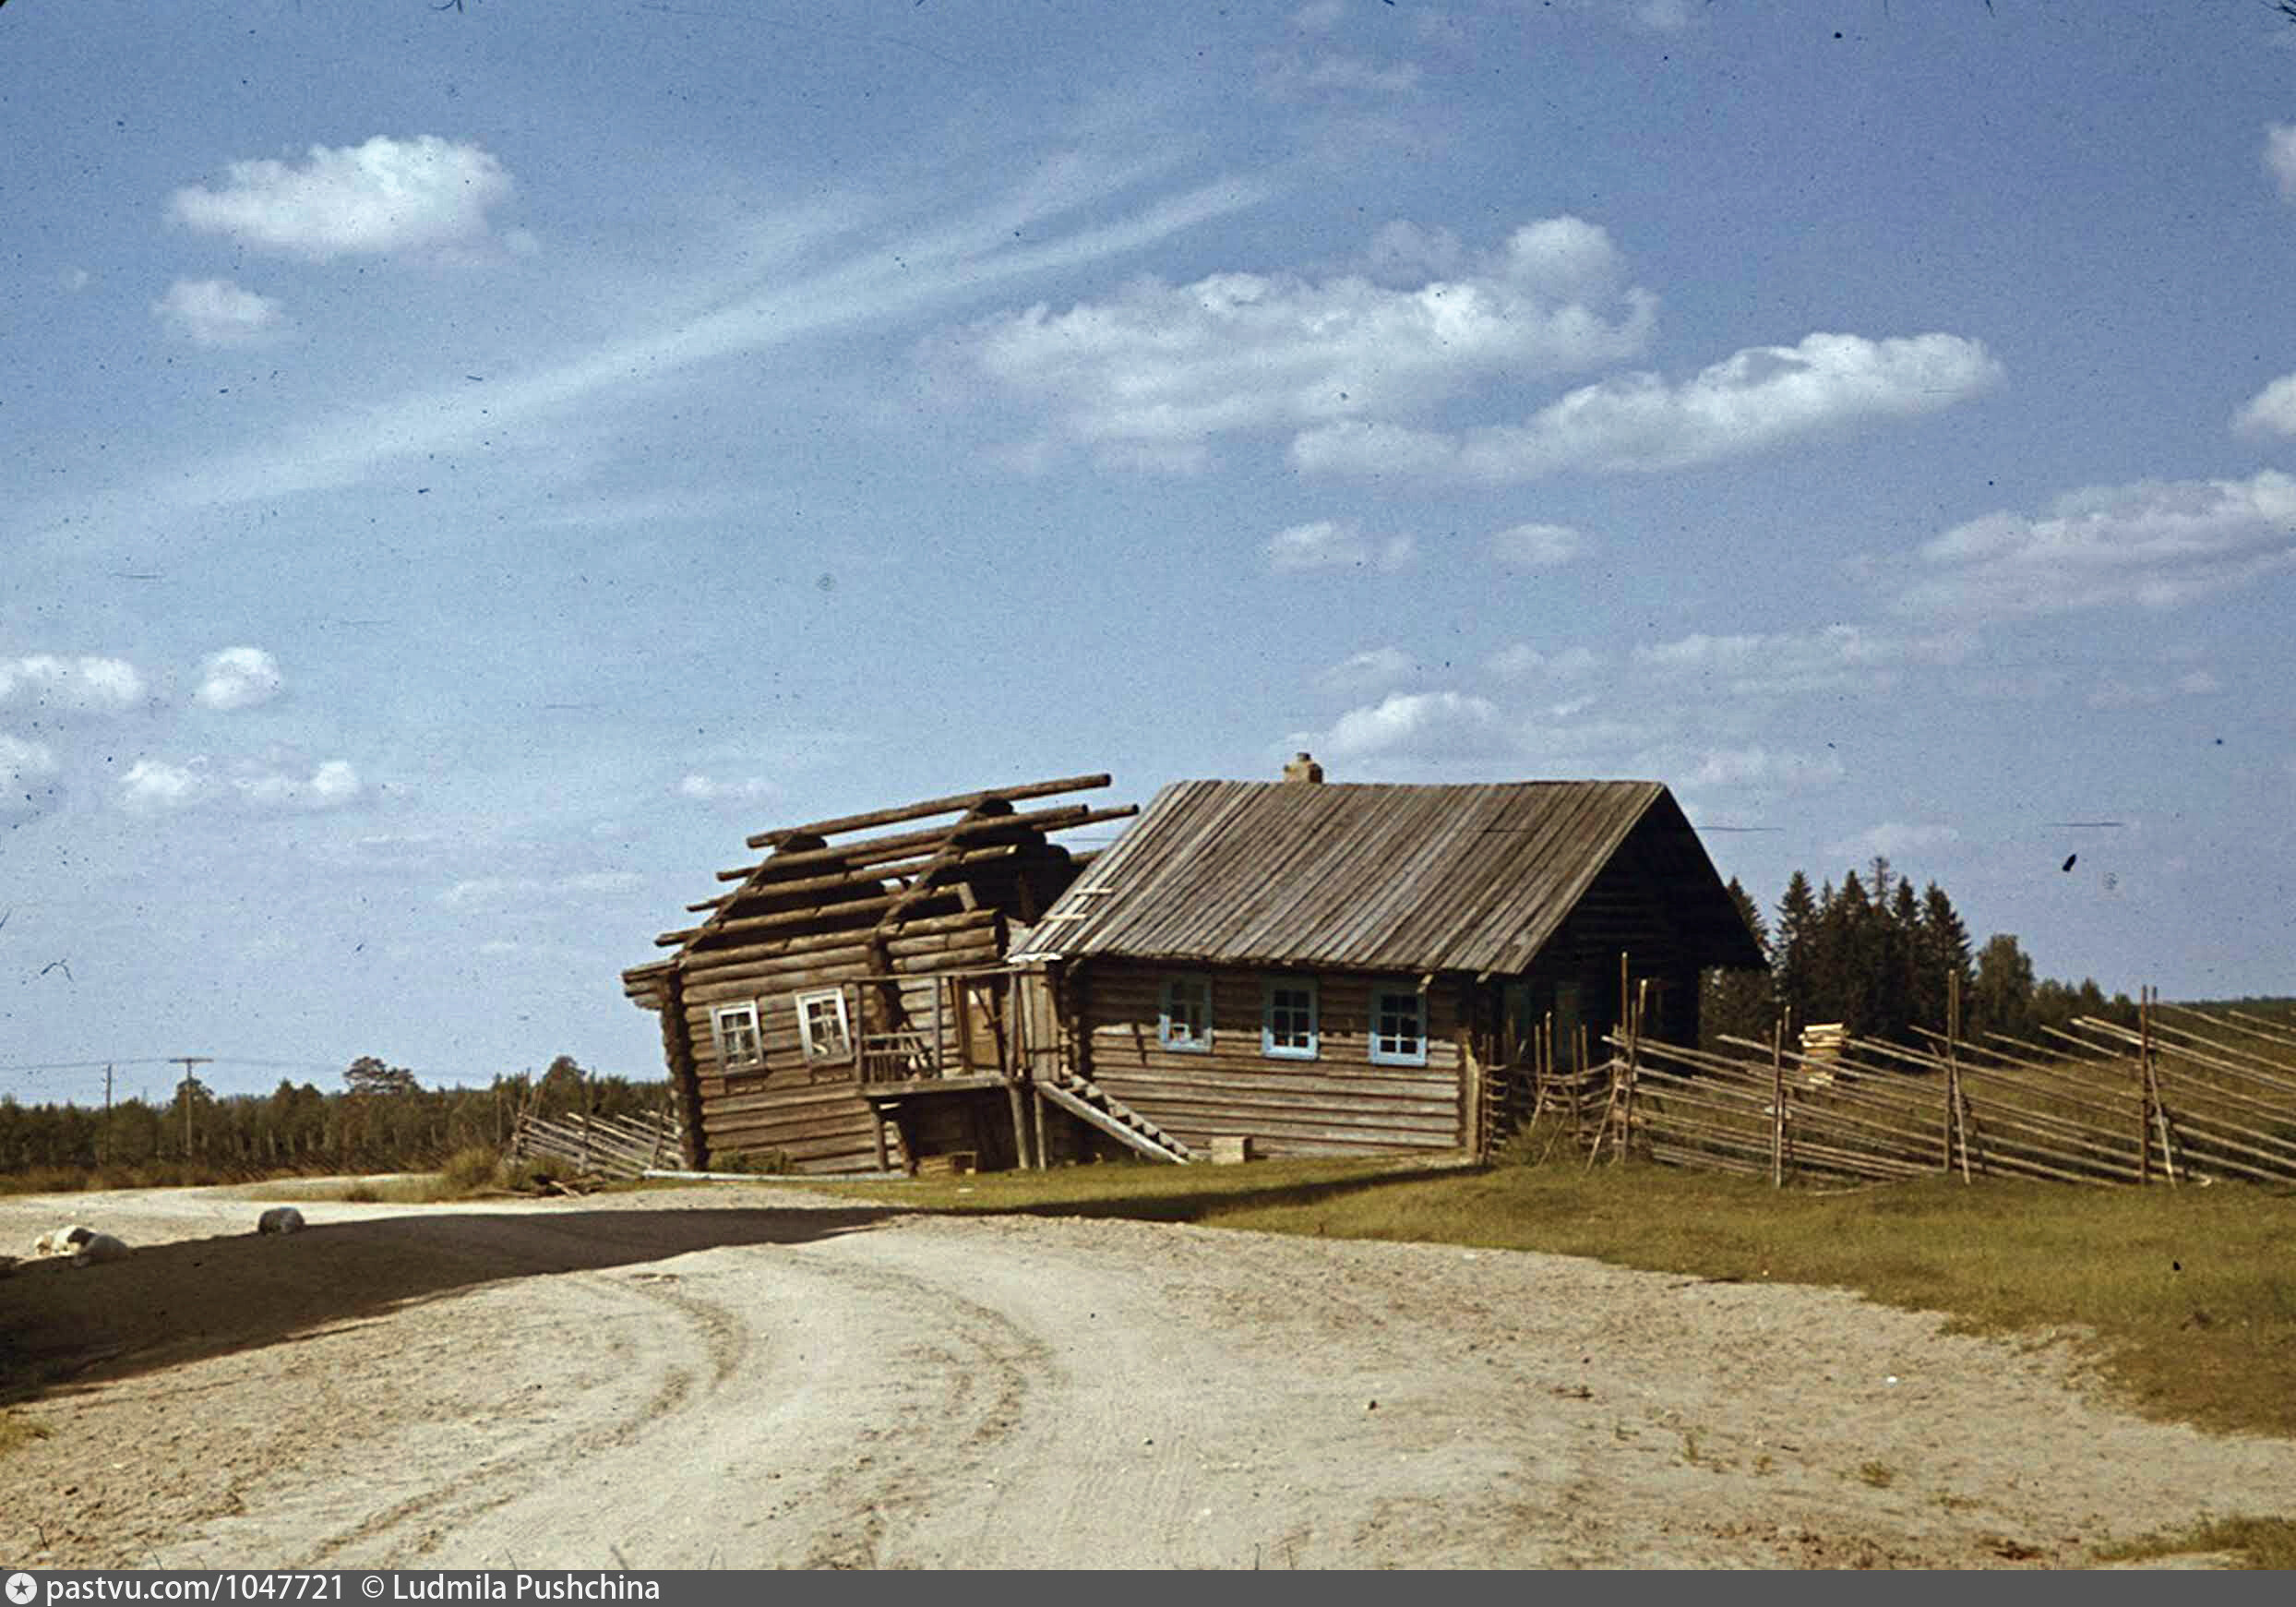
(1184, 1016)
(821, 1021)
(740, 1047)
(1287, 1018)
(1398, 1024)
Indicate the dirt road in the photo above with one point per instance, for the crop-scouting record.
(758, 1378)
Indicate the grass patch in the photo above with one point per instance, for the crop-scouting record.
(2186, 1297)
(18, 1430)
(2259, 1542)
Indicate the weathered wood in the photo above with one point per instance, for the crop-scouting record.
(1092, 1116)
(928, 806)
(875, 850)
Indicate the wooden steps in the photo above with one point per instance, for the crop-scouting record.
(1093, 1105)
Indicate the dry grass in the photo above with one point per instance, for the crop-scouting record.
(18, 1430)
(2259, 1542)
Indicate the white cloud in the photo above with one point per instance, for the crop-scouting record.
(1524, 662)
(24, 766)
(1325, 543)
(1365, 671)
(713, 789)
(238, 677)
(1326, 74)
(1536, 547)
(80, 684)
(2154, 543)
(1319, 16)
(2272, 412)
(216, 312)
(1426, 724)
(2112, 692)
(1759, 767)
(332, 784)
(1760, 664)
(2279, 157)
(492, 892)
(1756, 400)
(801, 277)
(1163, 363)
(385, 196)
(151, 784)
(1891, 839)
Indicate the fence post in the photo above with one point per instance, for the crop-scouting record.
(1777, 1103)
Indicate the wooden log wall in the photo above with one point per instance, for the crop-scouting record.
(812, 1113)
(1337, 1104)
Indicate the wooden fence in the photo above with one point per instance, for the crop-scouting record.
(610, 1146)
(2185, 1097)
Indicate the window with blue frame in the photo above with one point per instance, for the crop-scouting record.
(1398, 1026)
(1287, 1018)
(1184, 1016)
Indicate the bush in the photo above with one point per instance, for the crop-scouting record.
(755, 1162)
(468, 1170)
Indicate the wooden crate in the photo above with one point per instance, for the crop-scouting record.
(1229, 1151)
(962, 1163)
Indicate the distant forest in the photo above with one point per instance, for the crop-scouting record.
(382, 1119)
(1878, 958)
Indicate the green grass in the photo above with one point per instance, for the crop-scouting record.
(2259, 1542)
(18, 1430)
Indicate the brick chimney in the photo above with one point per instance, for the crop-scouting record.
(1303, 767)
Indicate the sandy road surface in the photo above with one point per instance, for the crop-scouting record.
(758, 1378)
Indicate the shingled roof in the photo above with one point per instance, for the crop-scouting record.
(1381, 877)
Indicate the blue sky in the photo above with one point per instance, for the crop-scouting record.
(467, 469)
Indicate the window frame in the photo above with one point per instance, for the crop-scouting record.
(1382, 991)
(1313, 988)
(1189, 1043)
(814, 1054)
(755, 1060)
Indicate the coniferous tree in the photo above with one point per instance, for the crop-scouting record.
(1792, 952)
(1736, 1003)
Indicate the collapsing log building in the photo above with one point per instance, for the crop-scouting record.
(1282, 966)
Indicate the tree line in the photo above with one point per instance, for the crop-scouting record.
(1881, 959)
(381, 1120)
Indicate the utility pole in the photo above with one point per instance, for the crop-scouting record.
(104, 1150)
(188, 1061)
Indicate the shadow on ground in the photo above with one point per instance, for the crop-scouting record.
(176, 1302)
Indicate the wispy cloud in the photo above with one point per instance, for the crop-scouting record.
(1536, 547)
(1754, 400)
(1765, 768)
(216, 312)
(385, 196)
(2279, 157)
(1326, 544)
(2153, 543)
(1523, 661)
(496, 891)
(25, 768)
(1369, 670)
(717, 789)
(780, 301)
(2272, 412)
(1893, 839)
(1834, 658)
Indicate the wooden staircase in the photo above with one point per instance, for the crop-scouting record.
(1093, 1105)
